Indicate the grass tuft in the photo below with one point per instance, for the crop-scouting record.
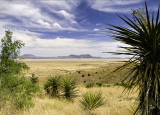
(89, 85)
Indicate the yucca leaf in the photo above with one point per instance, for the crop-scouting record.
(144, 45)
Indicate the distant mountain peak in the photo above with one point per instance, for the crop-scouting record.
(81, 56)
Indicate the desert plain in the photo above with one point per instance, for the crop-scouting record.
(117, 100)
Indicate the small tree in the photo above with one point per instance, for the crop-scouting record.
(9, 52)
(14, 88)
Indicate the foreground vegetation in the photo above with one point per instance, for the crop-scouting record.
(116, 103)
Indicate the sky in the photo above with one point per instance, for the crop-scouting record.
(63, 27)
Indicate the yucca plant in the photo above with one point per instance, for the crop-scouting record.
(69, 88)
(91, 101)
(52, 86)
(144, 46)
(33, 78)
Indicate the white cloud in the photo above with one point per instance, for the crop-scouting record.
(96, 29)
(31, 14)
(54, 4)
(58, 27)
(67, 16)
(113, 5)
(21, 10)
(43, 23)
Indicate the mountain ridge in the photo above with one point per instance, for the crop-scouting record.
(31, 56)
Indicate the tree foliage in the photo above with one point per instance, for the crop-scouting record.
(144, 45)
(9, 52)
(14, 88)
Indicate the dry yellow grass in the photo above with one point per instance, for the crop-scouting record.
(45, 67)
(116, 104)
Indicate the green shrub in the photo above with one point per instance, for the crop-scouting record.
(99, 84)
(33, 78)
(91, 101)
(52, 86)
(17, 90)
(69, 88)
(89, 85)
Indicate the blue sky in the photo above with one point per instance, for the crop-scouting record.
(64, 27)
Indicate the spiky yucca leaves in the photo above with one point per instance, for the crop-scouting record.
(52, 86)
(69, 88)
(144, 41)
(91, 101)
(33, 78)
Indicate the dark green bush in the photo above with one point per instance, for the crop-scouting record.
(17, 90)
(89, 85)
(99, 84)
(52, 86)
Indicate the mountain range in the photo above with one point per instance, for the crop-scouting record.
(30, 56)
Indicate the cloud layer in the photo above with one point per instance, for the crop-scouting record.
(32, 15)
(122, 6)
(43, 25)
(63, 46)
